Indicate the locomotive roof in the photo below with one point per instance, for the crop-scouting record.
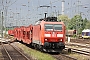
(54, 22)
(86, 30)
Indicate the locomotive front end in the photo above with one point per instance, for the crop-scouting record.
(54, 36)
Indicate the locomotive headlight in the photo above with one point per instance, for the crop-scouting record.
(60, 40)
(46, 39)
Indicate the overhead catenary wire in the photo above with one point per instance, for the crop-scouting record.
(34, 11)
(35, 8)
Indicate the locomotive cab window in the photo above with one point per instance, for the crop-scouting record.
(58, 27)
(55, 27)
(48, 27)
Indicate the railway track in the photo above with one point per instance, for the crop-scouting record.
(79, 51)
(9, 52)
(63, 57)
(82, 46)
(83, 41)
(78, 44)
(79, 48)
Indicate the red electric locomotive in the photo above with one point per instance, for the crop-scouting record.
(46, 35)
(49, 36)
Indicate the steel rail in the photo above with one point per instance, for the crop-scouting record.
(77, 45)
(20, 52)
(79, 51)
(6, 51)
(68, 57)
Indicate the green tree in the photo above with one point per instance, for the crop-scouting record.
(64, 18)
(76, 23)
(87, 26)
(85, 21)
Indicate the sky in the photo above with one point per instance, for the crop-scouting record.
(26, 12)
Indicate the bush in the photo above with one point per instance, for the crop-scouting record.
(74, 35)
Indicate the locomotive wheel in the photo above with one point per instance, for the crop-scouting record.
(41, 49)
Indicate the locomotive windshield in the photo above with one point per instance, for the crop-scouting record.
(55, 27)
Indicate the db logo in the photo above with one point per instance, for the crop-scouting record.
(53, 34)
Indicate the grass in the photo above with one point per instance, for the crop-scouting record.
(37, 55)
